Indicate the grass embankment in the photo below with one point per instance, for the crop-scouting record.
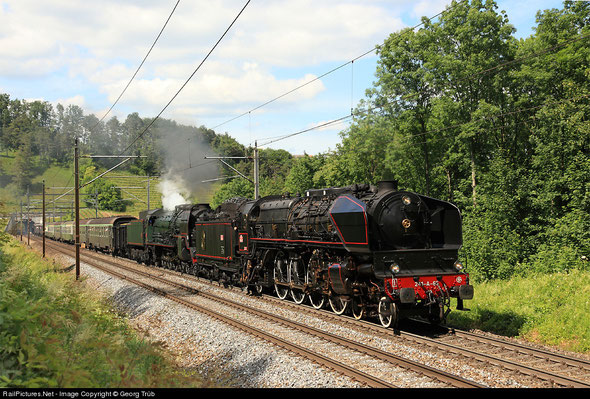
(56, 333)
(133, 188)
(550, 309)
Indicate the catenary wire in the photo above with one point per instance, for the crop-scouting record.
(533, 117)
(181, 88)
(134, 75)
(327, 73)
(406, 98)
(139, 67)
(186, 82)
(497, 67)
(349, 116)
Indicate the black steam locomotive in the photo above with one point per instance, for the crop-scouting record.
(372, 251)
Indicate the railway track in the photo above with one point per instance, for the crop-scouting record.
(563, 370)
(186, 294)
(553, 369)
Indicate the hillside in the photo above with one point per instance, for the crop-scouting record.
(134, 189)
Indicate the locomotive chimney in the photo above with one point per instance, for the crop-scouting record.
(387, 185)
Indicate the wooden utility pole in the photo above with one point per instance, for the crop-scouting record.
(28, 218)
(21, 219)
(148, 192)
(43, 227)
(77, 205)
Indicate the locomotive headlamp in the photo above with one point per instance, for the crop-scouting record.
(394, 267)
(458, 265)
(406, 200)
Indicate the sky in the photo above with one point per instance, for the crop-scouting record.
(84, 53)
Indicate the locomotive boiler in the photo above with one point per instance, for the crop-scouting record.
(162, 237)
(373, 250)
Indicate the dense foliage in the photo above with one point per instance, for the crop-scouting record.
(100, 194)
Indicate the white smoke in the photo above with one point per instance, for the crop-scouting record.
(172, 192)
(184, 168)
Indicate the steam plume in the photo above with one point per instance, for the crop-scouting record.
(184, 149)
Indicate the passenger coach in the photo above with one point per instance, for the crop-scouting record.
(104, 234)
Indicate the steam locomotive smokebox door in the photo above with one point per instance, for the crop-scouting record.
(350, 220)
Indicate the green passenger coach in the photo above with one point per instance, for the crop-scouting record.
(104, 234)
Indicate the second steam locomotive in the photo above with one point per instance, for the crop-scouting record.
(372, 251)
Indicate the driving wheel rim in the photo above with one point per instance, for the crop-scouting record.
(358, 312)
(297, 295)
(316, 297)
(317, 300)
(387, 311)
(281, 290)
(338, 305)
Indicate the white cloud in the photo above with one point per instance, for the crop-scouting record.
(307, 32)
(217, 91)
(428, 8)
(270, 50)
(288, 33)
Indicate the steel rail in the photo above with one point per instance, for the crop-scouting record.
(554, 378)
(520, 348)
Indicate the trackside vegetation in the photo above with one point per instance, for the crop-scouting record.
(54, 332)
(547, 309)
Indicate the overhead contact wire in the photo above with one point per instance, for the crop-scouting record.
(140, 65)
(189, 78)
(485, 71)
(323, 75)
(132, 78)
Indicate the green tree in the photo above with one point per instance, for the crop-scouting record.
(235, 188)
(101, 194)
(23, 167)
(301, 176)
(404, 91)
(18, 132)
(4, 115)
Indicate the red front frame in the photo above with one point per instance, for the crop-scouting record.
(424, 284)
